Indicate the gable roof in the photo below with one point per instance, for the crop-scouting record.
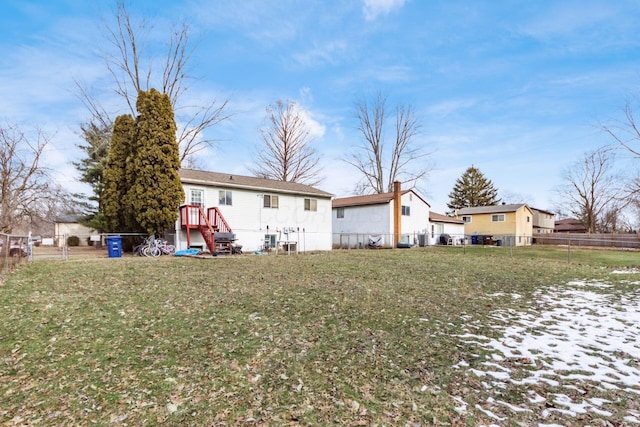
(68, 219)
(542, 211)
(491, 209)
(436, 217)
(569, 224)
(227, 180)
(370, 199)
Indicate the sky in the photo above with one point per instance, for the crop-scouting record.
(518, 89)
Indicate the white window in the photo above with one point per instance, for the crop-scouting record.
(196, 198)
(466, 218)
(340, 213)
(270, 201)
(224, 198)
(310, 205)
(406, 210)
(497, 218)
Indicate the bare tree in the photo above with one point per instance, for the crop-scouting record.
(286, 153)
(24, 181)
(381, 166)
(626, 133)
(131, 74)
(592, 189)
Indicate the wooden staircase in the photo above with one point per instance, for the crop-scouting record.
(213, 227)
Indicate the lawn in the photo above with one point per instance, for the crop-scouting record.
(403, 337)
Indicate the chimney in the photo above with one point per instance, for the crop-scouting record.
(397, 213)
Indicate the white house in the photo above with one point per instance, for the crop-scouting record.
(543, 221)
(69, 225)
(399, 218)
(255, 213)
(445, 230)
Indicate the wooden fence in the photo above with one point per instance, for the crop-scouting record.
(626, 241)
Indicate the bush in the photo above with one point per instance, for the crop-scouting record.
(73, 241)
(89, 241)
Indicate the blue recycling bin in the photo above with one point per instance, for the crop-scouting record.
(114, 246)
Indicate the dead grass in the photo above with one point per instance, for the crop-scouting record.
(345, 338)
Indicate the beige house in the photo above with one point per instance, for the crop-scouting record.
(506, 224)
(543, 221)
(68, 225)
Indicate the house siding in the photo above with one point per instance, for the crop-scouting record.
(543, 222)
(516, 226)
(64, 230)
(456, 231)
(250, 221)
(362, 221)
(418, 222)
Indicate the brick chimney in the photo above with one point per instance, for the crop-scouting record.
(397, 213)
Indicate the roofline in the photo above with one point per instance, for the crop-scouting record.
(376, 202)
(511, 208)
(320, 193)
(541, 210)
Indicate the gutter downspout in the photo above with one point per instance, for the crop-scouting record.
(397, 213)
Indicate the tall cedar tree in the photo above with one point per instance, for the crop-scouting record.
(472, 189)
(115, 179)
(156, 191)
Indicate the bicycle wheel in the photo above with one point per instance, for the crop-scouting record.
(151, 251)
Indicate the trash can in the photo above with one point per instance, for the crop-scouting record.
(114, 246)
(474, 239)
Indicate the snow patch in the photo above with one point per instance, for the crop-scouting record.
(575, 339)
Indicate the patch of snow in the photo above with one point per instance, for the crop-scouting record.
(462, 407)
(574, 336)
(490, 414)
(629, 271)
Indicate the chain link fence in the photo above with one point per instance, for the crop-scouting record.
(14, 249)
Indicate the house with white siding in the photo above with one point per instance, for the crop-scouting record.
(445, 230)
(543, 221)
(399, 218)
(223, 210)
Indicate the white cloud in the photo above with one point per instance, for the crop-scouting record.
(447, 107)
(373, 8)
(316, 129)
(328, 53)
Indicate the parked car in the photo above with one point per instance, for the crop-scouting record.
(15, 249)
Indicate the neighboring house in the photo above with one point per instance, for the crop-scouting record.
(506, 224)
(399, 218)
(543, 221)
(68, 225)
(254, 213)
(569, 225)
(445, 229)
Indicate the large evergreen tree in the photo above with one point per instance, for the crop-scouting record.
(115, 178)
(472, 189)
(96, 148)
(156, 192)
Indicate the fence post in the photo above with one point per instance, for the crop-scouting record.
(65, 248)
(569, 252)
(512, 241)
(6, 253)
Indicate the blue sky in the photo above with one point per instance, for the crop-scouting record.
(516, 88)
